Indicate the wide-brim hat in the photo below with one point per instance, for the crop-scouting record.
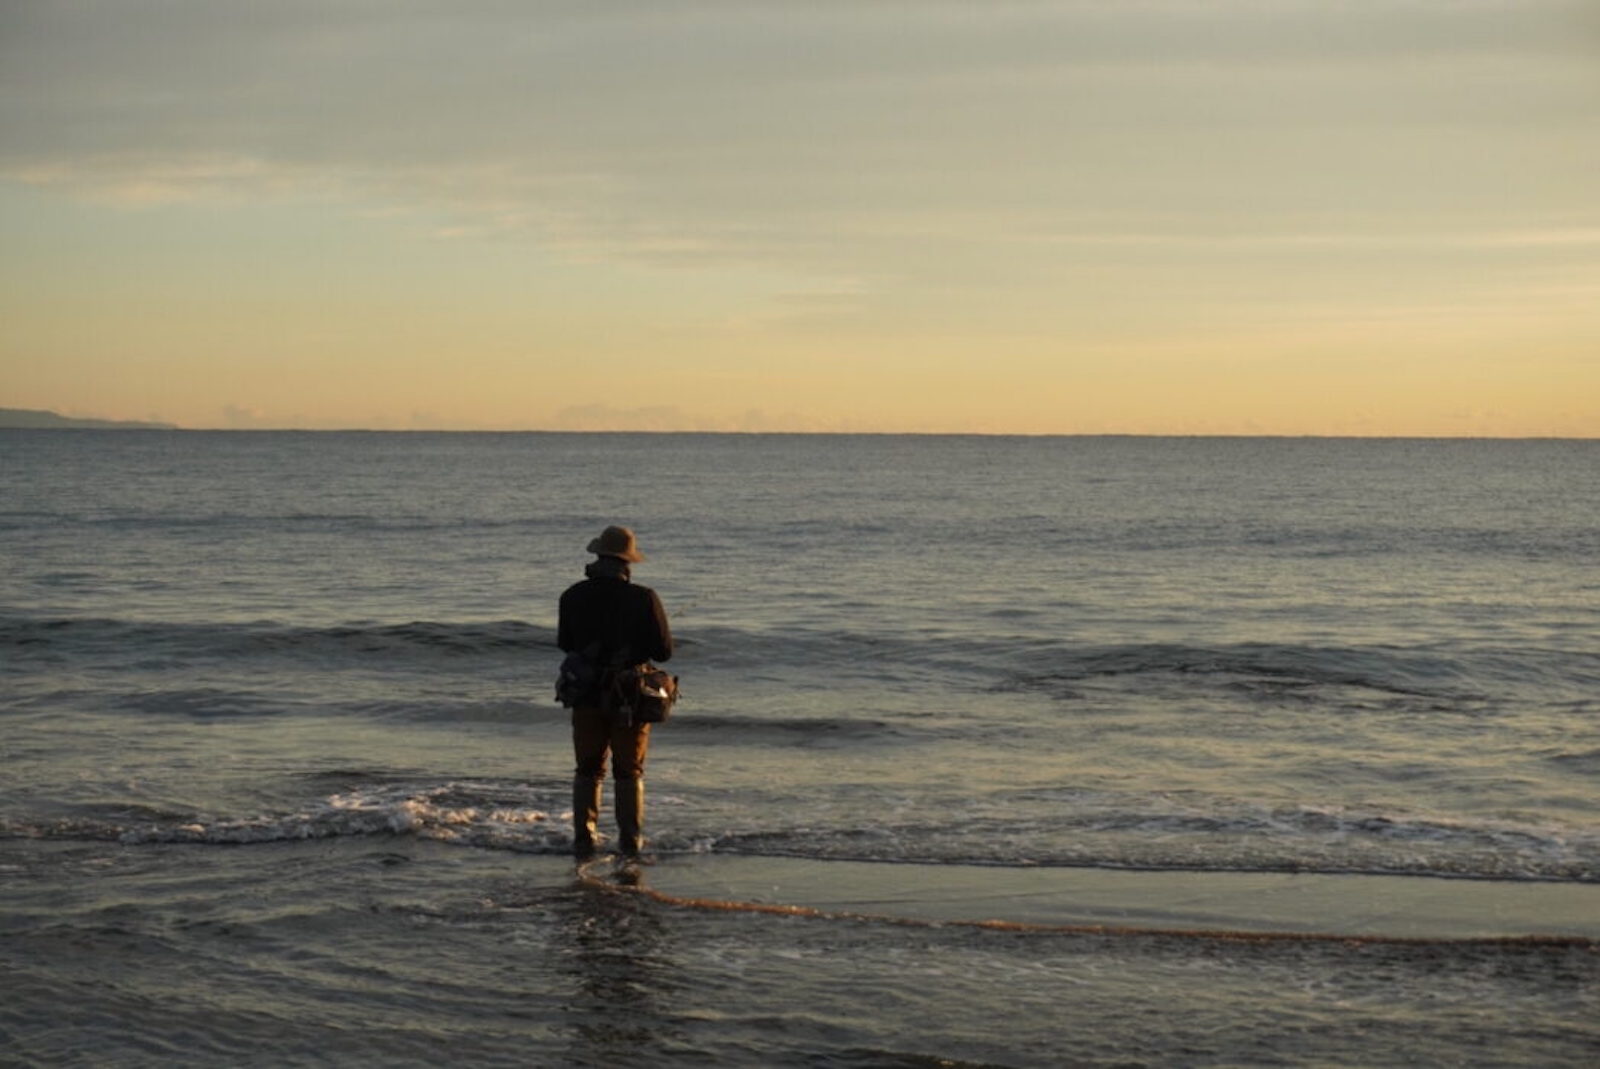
(617, 542)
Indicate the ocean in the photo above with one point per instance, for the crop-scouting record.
(993, 751)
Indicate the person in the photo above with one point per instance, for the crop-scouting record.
(615, 622)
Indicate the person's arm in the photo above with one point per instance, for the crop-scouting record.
(661, 639)
(564, 638)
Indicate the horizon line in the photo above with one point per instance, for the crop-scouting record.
(835, 434)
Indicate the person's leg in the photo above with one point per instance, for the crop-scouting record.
(629, 748)
(591, 738)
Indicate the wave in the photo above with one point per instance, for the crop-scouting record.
(483, 814)
(1274, 537)
(1425, 677)
(1584, 761)
(1131, 833)
(1189, 846)
(1392, 669)
(200, 703)
(1451, 678)
(91, 635)
(799, 731)
(258, 523)
(1401, 669)
(1453, 673)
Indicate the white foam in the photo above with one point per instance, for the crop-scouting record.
(449, 812)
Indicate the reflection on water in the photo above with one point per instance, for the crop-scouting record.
(616, 951)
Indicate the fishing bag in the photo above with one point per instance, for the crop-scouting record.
(578, 680)
(638, 694)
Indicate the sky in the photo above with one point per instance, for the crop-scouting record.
(1341, 217)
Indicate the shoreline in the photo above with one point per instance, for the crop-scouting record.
(1288, 905)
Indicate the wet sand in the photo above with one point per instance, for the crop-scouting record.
(1298, 904)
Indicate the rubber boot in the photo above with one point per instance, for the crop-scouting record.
(585, 813)
(630, 815)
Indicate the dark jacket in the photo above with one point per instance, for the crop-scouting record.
(626, 620)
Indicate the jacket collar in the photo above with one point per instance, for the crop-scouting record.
(609, 568)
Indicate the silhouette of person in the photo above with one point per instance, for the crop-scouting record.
(615, 622)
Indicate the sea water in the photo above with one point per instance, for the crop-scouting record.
(285, 782)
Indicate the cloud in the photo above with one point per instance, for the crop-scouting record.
(801, 134)
(930, 168)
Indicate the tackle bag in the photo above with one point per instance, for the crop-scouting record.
(578, 680)
(638, 694)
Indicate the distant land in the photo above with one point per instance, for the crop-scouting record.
(37, 418)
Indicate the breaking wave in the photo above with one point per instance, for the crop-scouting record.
(1149, 832)
(488, 815)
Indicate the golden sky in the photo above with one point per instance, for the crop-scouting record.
(1081, 216)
